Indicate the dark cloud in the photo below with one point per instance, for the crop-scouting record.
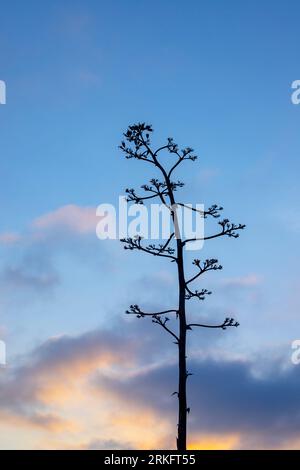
(32, 271)
(225, 397)
(20, 277)
(53, 366)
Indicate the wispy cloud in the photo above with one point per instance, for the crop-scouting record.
(72, 218)
(20, 277)
(33, 266)
(251, 280)
(33, 271)
(9, 238)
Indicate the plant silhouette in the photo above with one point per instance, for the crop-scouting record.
(137, 145)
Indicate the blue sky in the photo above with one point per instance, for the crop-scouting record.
(214, 75)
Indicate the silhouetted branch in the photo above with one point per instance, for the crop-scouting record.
(171, 146)
(212, 211)
(167, 242)
(161, 248)
(228, 229)
(198, 294)
(133, 135)
(138, 146)
(186, 154)
(135, 310)
(139, 136)
(157, 184)
(227, 323)
(133, 197)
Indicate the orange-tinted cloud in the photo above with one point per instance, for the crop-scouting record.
(214, 442)
(53, 376)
